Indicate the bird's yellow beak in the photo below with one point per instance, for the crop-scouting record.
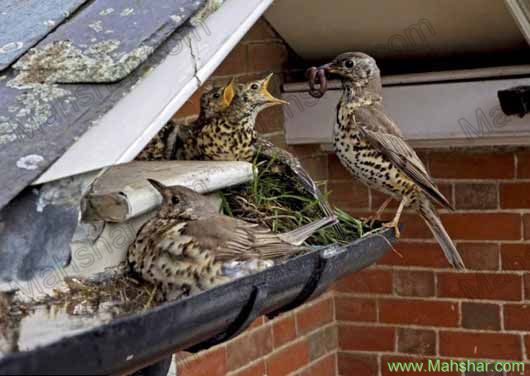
(265, 91)
(229, 93)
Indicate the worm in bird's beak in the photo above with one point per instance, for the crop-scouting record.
(317, 76)
(265, 92)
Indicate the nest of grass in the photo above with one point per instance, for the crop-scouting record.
(120, 294)
(275, 198)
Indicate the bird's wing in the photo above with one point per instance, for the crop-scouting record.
(382, 133)
(231, 239)
(269, 150)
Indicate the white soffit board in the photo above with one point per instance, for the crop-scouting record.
(520, 10)
(396, 29)
(123, 132)
(430, 115)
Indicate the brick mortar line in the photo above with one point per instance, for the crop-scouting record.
(312, 363)
(524, 349)
(429, 299)
(268, 41)
(454, 181)
(450, 270)
(520, 211)
(184, 361)
(277, 40)
(270, 323)
(455, 329)
(247, 366)
(304, 336)
(298, 340)
(421, 356)
(275, 350)
(436, 341)
(498, 193)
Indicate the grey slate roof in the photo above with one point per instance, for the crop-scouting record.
(49, 96)
(24, 23)
(52, 93)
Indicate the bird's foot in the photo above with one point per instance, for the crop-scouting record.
(395, 226)
(371, 220)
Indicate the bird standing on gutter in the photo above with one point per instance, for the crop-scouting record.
(371, 146)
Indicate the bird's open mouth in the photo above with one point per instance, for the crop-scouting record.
(265, 91)
(318, 83)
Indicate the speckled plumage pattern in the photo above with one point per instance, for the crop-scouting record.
(231, 135)
(370, 145)
(183, 248)
(178, 141)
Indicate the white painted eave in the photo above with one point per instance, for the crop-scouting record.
(124, 131)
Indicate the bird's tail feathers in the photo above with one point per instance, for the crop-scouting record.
(300, 235)
(428, 212)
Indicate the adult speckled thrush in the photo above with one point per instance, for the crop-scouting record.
(184, 247)
(175, 141)
(371, 146)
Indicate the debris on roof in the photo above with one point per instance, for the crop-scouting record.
(24, 23)
(103, 44)
(48, 98)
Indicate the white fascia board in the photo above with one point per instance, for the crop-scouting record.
(520, 10)
(465, 113)
(431, 77)
(124, 131)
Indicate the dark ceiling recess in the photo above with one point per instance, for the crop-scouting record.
(404, 36)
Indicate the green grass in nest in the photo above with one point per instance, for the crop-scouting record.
(276, 199)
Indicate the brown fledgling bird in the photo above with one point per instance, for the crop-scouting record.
(183, 249)
(371, 146)
(231, 135)
(175, 141)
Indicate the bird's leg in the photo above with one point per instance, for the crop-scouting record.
(394, 223)
(377, 216)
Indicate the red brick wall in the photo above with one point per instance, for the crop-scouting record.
(414, 305)
(302, 342)
(410, 305)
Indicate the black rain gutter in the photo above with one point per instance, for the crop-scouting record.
(201, 321)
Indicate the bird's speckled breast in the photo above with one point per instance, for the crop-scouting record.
(164, 255)
(220, 141)
(364, 162)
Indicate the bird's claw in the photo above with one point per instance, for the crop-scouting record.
(395, 226)
(370, 221)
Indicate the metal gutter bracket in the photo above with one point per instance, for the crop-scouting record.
(249, 313)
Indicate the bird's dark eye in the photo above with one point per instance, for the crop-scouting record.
(254, 87)
(174, 200)
(348, 64)
(217, 95)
